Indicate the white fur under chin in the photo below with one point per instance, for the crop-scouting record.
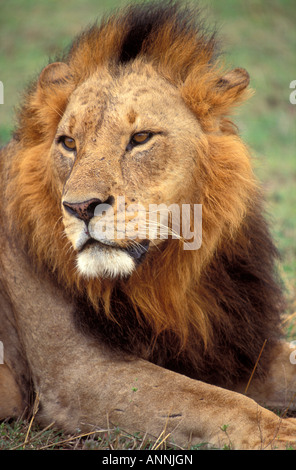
(96, 262)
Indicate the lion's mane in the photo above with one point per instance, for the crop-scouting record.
(208, 312)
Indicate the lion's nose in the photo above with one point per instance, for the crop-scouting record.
(85, 210)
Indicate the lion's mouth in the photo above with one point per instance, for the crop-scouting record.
(137, 251)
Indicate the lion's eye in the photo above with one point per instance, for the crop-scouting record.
(138, 139)
(141, 137)
(68, 143)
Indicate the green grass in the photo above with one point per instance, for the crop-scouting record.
(21, 435)
(257, 35)
(260, 37)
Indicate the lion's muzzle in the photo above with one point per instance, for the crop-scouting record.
(101, 250)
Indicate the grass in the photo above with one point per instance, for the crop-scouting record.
(13, 434)
(16, 435)
(257, 35)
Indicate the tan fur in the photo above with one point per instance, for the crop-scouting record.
(169, 309)
(11, 400)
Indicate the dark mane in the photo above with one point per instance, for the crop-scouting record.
(241, 283)
(151, 29)
(144, 21)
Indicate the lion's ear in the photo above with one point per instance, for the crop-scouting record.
(213, 95)
(56, 73)
(54, 86)
(229, 91)
(234, 82)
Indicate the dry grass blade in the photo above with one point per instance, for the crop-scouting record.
(158, 444)
(255, 367)
(289, 318)
(35, 411)
(160, 440)
(34, 438)
(72, 438)
(289, 405)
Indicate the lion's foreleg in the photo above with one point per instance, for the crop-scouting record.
(138, 396)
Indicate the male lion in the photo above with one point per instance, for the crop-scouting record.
(136, 330)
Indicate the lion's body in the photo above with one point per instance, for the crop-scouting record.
(137, 110)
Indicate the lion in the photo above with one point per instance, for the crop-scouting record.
(114, 322)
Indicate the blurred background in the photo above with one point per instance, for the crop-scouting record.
(257, 35)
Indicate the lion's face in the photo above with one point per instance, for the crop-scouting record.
(124, 143)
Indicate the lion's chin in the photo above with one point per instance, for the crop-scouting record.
(97, 261)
